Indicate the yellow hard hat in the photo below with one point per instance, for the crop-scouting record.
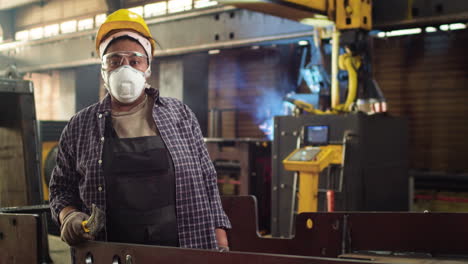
(124, 19)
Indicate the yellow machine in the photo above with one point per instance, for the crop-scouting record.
(49, 135)
(48, 148)
(350, 14)
(352, 20)
(309, 161)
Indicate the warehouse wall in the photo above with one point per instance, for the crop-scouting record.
(54, 94)
(425, 78)
(87, 80)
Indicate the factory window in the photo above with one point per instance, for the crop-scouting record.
(36, 33)
(138, 10)
(22, 35)
(454, 26)
(100, 19)
(85, 24)
(179, 5)
(399, 32)
(431, 29)
(68, 27)
(51, 30)
(403, 32)
(204, 3)
(155, 9)
(413, 31)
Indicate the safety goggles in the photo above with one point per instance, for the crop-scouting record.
(114, 60)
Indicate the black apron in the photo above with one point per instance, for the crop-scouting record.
(140, 190)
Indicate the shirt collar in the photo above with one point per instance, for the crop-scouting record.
(105, 104)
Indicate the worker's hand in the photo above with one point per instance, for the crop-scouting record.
(221, 238)
(72, 231)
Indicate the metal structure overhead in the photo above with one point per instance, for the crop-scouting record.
(188, 32)
(7, 24)
(385, 14)
(294, 10)
(399, 14)
(8, 4)
(351, 14)
(113, 5)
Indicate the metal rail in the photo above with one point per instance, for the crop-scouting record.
(101, 252)
(333, 234)
(320, 238)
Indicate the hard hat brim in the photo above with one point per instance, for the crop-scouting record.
(107, 27)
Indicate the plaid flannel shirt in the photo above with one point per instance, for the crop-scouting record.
(78, 180)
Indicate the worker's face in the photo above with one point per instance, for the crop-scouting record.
(126, 52)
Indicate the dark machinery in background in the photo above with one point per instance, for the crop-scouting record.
(358, 158)
(18, 138)
(21, 186)
(49, 136)
(243, 166)
(372, 174)
(21, 236)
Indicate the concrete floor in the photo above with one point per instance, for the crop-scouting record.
(59, 251)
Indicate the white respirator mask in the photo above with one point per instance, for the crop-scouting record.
(125, 83)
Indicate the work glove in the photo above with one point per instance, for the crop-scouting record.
(223, 248)
(72, 231)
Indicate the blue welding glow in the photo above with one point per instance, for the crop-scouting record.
(313, 72)
(315, 77)
(269, 105)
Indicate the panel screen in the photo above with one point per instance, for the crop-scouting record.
(307, 154)
(316, 135)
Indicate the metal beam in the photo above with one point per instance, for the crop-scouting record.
(320, 238)
(113, 5)
(8, 4)
(401, 14)
(201, 30)
(286, 9)
(102, 252)
(7, 22)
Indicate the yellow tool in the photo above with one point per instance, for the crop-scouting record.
(309, 162)
(95, 222)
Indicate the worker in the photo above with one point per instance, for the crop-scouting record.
(137, 156)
